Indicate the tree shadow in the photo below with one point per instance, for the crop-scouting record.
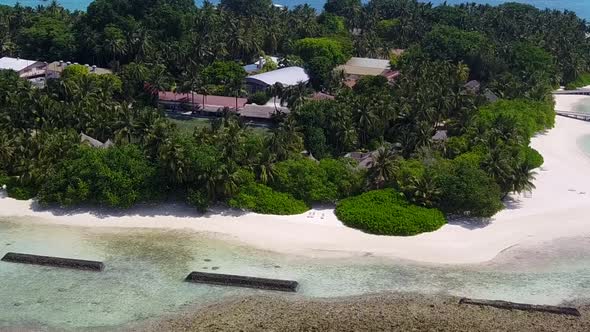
(470, 223)
(511, 203)
(160, 209)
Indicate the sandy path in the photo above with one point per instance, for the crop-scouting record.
(559, 207)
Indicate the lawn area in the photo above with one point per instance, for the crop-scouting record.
(188, 126)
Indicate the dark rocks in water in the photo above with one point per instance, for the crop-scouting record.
(243, 281)
(77, 264)
(215, 268)
(522, 306)
(207, 260)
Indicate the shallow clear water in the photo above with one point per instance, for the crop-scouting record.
(581, 7)
(145, 271)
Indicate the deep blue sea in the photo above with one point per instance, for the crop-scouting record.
(581, 7)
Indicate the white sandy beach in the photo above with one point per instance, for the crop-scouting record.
(559, 207)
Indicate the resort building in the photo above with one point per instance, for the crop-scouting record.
(474, 87)
(24, 68)
(187, 105)
(195, 101)
(286, 76)
(356, 68)
(364, 159)
(54, 69)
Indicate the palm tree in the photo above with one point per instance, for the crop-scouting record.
(125, 123)
(424, 190)
(365, 120)
(6, 150)
(115, 44)
(236, 87)
(523, 179)
(191, 82)
(294, 96)
(276, 90)
(383, 168)
(173, 157)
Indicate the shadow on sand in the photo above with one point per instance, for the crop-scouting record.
(511, 203)
(469, 222)
(159, 209)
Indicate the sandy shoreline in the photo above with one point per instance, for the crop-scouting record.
(557, 208)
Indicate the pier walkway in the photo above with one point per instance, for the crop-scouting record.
(574, 115)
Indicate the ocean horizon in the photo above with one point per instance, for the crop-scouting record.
(581, 7)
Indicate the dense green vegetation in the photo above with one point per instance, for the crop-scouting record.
(582, 81)
(262, 199)
(516, 52)
(386, 212)
(118, 177)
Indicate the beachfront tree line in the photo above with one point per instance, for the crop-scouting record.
(516, 52)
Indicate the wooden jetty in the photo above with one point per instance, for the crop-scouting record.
(521, 306)
(583, 92)
(243, 281)
(68, 263)
(574, 115)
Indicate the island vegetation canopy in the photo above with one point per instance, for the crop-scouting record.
(451, 132)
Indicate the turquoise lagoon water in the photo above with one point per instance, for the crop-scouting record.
(145, 269)
(581, 7)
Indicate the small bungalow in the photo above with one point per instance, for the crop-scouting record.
(474, 87)
(364, 159)
(286, 76)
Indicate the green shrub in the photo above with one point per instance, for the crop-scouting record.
(528, 116)
(20, 193)
(305, 180)
(467, 189)
(198, 199)
(116, 177)
(533, 158)
(330, 48)
(259, 98)
(387, 212)
(582, 81)
(345, 175)
(4, 179)
(262, 199)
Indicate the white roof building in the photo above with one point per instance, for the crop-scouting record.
(19, 65)
(286, 76)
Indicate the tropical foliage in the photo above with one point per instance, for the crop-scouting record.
(481, 75)
(386, 212)
(262, 199)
